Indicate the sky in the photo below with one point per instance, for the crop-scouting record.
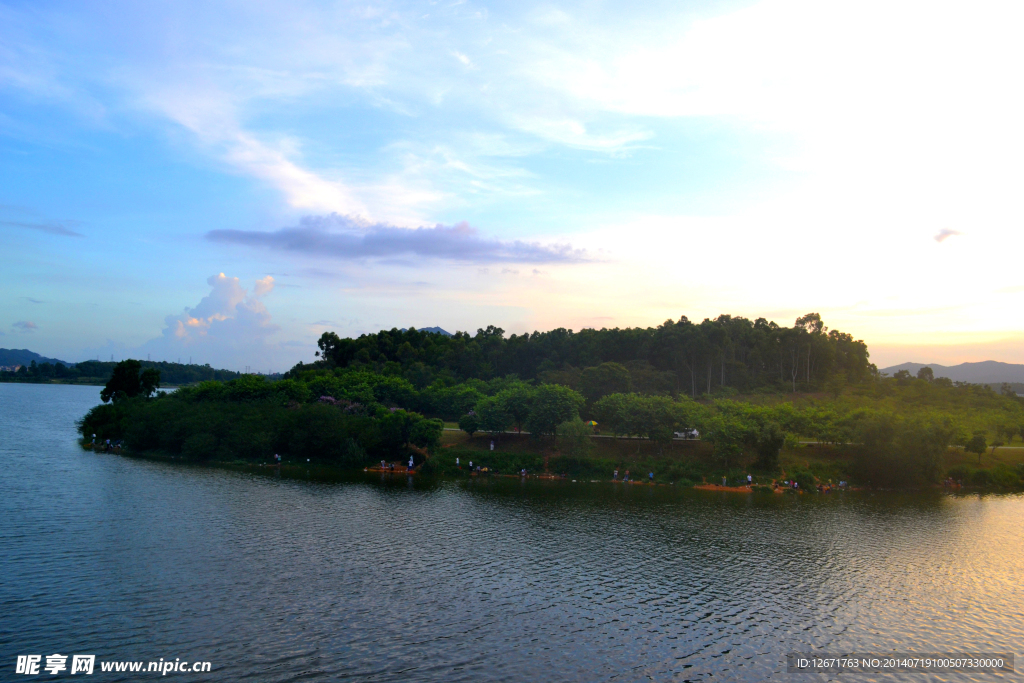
(223, 182)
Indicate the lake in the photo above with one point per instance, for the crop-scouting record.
(278, 579)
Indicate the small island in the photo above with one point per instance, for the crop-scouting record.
(728, 403)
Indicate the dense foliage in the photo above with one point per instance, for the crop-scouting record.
(129, 380)
(676, 357)
(253, 419)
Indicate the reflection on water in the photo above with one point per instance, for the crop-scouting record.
(281, 579)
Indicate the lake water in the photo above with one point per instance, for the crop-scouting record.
(277, 579)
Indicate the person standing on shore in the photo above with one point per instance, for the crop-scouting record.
(615, 475)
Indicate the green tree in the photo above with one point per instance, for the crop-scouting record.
(469, 423)
(926, 373)
(1007, 432)
(492, 415)
(574, 438)
(395, 428)
(769, 439)
(835, 383)
(127, 382)
(517, 401)
(426, 433)
(604, 379)
(553, 404)
(977, 444)
(727, 434)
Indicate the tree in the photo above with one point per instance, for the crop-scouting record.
(426, 433)
(727, 434)
(604, 379)
(516, 402)
(1007, 431)
(995, 445)
(977, 444)
(553, 404)
(574, 438)
(835, 383)
(126, 382)
(492, 415)
(926, 373)
(769, 439)
(469, 423)
(396, 428)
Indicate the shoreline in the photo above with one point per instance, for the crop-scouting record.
(333, 473)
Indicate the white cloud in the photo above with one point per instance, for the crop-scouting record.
(230, 328)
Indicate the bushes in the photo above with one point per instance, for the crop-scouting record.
(1000, 475)
(804, 477)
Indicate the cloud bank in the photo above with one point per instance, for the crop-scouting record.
(346, 237)
(230, 328)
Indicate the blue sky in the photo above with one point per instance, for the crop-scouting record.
(225, 181)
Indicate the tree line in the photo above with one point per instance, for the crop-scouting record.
(677, 357)
(99, 372)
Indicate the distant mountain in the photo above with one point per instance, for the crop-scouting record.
(435, 330)
(25, 357)
(985, 372)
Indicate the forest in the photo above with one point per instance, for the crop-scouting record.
(677, 357)
(390, 395)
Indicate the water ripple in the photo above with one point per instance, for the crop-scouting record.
(386, 580)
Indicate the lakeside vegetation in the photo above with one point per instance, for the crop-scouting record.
(755, 392)
(92, 372)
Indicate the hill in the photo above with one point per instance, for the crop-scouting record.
(25, 357)
(984, 372)
(435, 330)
